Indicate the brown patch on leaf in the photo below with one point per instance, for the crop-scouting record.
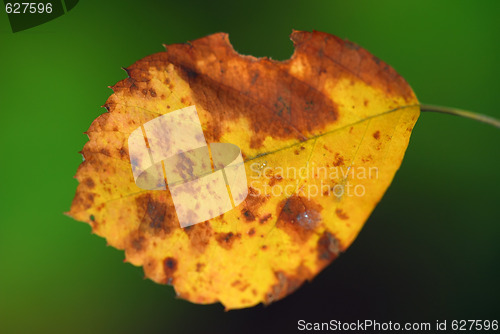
(328, 247)
(105, 151)
(156, 215)
(376, 135)
(278, 111)
(341, 214)
(199, 267)
(326, 148)
(367, 158)
(169, 268)
(254, 199)
(339, 160)
(298, 217)
(272, 112)
(226, 240)
(248, 215)
(252, 203)
(274, 179)
(124, 154)
(265, 218)
(287, 283)
(199, 235)
(89, 182)
(137, 243)
(83, 200)
(240, 285)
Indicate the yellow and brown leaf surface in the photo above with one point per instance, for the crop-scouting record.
(331, 107)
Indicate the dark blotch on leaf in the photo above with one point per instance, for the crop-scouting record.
(199, 235)
(249, 216)
(169, 268)
(341, 214)
(298, 217)
(155, 215)
(339, 160)
(264, 218)
(226, 240)
(286, 284)
(328, 247)
(138, 243)
(90, 183)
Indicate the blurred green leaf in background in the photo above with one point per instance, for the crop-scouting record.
(429, 252)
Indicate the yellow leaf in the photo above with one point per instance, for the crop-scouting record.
(322, 135)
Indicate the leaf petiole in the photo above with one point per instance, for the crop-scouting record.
(462, 113)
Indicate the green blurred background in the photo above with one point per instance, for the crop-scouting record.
(429, 251)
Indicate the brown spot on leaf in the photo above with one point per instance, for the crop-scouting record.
(169, 268)
(298, 217)
(376, 135)
(124, 154)
(341, 214)
(339, 160)
(156, 214)
(89, 182)
(326, 148)
(367, 158)
(199, 267)
(199, 235)
(253, 202)
(274, 179)
(328, 247)
(137, 243)
(265, 218)
(249, 216)
(286, 284)
(105, 151)
(251, 232)
(226, 240)
(240, 285)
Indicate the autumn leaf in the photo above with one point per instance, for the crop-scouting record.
(321, 135)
